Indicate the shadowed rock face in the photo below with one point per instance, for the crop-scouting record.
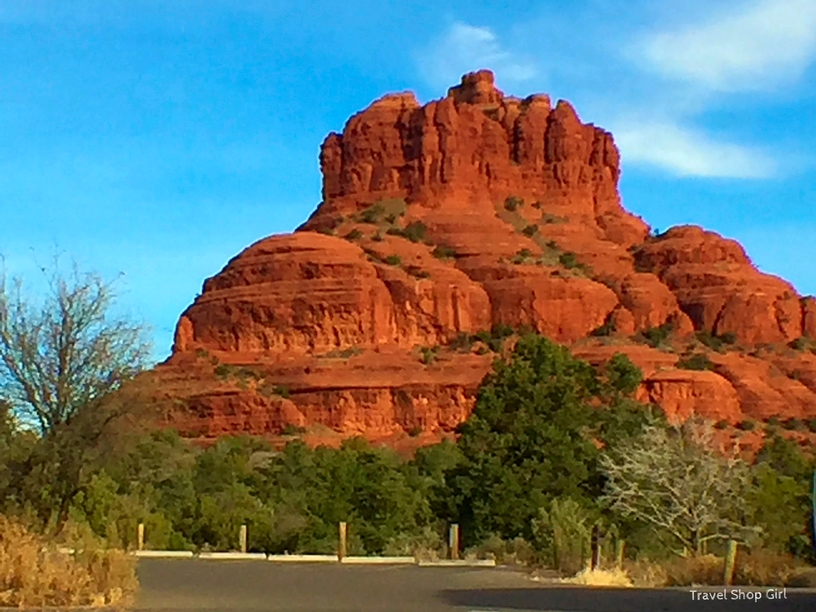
(452, 217)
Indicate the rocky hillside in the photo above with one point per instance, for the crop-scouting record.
(473, 213)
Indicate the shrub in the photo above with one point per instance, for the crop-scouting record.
(716, 342)
(372, 214)
(34, 573)
(418, 272)
(415, 431)
(393, 260)
(443, 252)
(522, 256)
(377, 237)
(517, 551)
(811, 425)
(415, 232)
(702, 570)
(746, 425)
(656, 336)
(463, 342)
(549, 219)
(428, 355)
(512, 203)
(223, 370)
(698, 361)
(761, 567)
(328, 231)
(568, 260)
(794, 424)
(354, 234)
(290, 429)
(721, 424)
(530, 230)
(562, 534)
(607, 329)
(392, 218)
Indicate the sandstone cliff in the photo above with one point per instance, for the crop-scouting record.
(442, 220)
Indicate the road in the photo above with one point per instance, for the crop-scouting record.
(258, 586)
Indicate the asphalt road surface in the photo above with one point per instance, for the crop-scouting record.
(259, 586)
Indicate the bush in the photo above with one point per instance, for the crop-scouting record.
(415, 232)
(530, 230)
(271, 390)
(291, 429)
(354, 234)
(562, 535)
(377, 237)
(656, 336)
(522, 256)
(463, 342)
(34, 573)
(393, 260)
(698, 361)
(607, 329)
(512, 203)
(372, 214)
(428, 355)
(696, 570)
(746, 425)
(794, 424)
(762, 567)
(811, 425)
(569, 260)
(716, 342)
(443, 252)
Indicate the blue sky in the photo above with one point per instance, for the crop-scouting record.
(158, 138)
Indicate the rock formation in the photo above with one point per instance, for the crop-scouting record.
(442, 220)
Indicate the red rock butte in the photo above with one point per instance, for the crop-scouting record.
(442, 220)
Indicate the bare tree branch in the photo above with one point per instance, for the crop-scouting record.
(676, 480)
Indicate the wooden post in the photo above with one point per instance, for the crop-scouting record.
(341, 548)
(242, 538)
(620, 546)
(730, 562)
(595, 548)
(140, 537)
(453, 541)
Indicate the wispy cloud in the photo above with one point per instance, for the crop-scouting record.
(464, 48)
(760, 45)
(686, 152)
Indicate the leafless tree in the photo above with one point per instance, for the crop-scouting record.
(678, 480)
(62, 360)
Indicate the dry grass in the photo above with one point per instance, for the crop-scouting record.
(34, 573)
(700, 570)
(767, 568)
(753, 568)
(645, 573)
(601, 578)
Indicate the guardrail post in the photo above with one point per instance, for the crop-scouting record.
(619, 548)
(242, 538)
(730, 562)
(341, 547)
(140, 537)
(453, 541)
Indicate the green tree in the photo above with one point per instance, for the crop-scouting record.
(533, 436)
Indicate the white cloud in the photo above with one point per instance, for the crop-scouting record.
(685, 152)
(465, 48)
(763, 44)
